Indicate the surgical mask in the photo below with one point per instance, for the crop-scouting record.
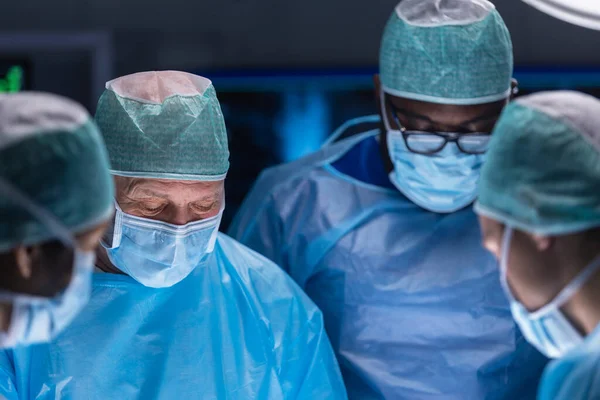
(36, 319)
(443, 182)
(158, 254)
(547, 328)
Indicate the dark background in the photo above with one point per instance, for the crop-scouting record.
(287, 73)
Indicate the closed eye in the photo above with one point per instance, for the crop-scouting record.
(203, 208)
(151, 209)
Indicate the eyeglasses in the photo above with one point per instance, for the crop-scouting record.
(428, 143)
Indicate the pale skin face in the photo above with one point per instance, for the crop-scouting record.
(176, 202)
(539, 267)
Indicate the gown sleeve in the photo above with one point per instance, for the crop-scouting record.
(8, 389)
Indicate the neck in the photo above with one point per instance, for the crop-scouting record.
(103, 262)
(5, 316)
(583, 309)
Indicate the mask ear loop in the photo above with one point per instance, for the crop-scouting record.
(117, 229)
(504, 253)
(563, 296)
(569, 291)
(42, 215)
(213, 240)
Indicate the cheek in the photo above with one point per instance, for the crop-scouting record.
(530, 279)
(52, 271)
(211, 214)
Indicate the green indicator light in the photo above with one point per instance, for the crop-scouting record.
(13, 81)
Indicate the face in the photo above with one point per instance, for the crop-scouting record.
(433, 117)
(533, 269)
(44, 269)
(174, 202)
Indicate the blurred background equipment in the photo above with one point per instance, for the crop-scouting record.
(15, 74)
(281, 115)
(287, 73)
(74, 64)
(584, 13)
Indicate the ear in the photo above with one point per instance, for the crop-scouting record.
(24, 260)
(514, 86)
(542, 243)
(377, 84)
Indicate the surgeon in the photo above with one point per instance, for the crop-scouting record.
(178, 311)
(539, 208)
(378, 228)
(55, 203)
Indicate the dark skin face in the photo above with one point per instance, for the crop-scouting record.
(433, 117)
(44, 269)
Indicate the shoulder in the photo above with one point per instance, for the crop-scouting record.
(574, 377)
(299, 170)
(278, 189)
(264, 281)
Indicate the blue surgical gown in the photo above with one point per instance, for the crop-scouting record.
(576, 376)
(236, 328)
(412, 302)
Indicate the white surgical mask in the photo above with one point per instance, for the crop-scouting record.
(547, 328)
(158, 254)
(443, 182)
(36, 319)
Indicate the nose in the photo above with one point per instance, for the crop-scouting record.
(492, 245)
(181, 216)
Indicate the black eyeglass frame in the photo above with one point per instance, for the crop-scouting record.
(449, 137)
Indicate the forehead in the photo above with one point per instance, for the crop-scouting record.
(135, 187)
(450, 114)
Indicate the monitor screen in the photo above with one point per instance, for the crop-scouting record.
(14, 75)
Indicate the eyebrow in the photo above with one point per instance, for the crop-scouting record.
(213, 197)
(412, 114)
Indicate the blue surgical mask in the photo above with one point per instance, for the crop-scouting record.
(547, 328)
(158, 254)
(443, 182)
(36, 319)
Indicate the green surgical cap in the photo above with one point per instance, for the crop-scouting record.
(52, 153)
(542, 173)
(446, 51)
(166, 125)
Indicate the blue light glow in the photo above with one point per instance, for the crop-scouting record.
(303, 123)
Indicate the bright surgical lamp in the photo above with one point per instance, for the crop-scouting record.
(584, 13)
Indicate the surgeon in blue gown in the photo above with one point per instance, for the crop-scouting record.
(539, 208)
(177, 311)
(378, 228)
(56, 199)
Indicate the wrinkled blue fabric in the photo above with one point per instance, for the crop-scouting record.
(364, 163)
(412, 302)
(576, 376)
(235, 328)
